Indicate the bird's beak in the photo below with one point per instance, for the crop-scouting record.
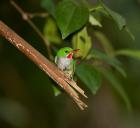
(70, 55)
(75, 51)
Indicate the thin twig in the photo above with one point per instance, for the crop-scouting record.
(33, 15)
(44, 64)
(29, 21)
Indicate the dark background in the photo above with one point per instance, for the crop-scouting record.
(26, 95)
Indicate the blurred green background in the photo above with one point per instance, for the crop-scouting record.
(26, 95)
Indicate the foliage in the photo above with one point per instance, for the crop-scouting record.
(129, 52)
(89, 76)
(51, 31)
(70, 16)
(82, 41)
(120, 21)
(74, 20)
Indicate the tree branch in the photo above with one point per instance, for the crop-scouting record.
(26, 17)
(44, 64)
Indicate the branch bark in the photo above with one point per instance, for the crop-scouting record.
(44, 64)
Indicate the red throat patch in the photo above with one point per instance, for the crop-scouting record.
(70, 56)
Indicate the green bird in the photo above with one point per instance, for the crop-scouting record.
(65, 62)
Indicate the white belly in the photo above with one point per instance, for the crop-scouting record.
(63, 63)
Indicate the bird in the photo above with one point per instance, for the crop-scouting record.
(65, 61)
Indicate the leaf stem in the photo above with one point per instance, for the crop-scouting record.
(95, 9)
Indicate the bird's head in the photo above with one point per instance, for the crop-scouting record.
(66, 52)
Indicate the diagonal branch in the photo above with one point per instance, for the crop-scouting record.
(44, 64)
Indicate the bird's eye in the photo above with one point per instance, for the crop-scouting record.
(66, 51)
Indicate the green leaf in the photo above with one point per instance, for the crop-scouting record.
(89, 76)
(105, 43)
(70, 16)
(56, 91)
(117, 86)
(120, 21)
(82, 41)
(94, 21)
(130, 53)
(96, 54)
(49, 6)
(51, 31)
